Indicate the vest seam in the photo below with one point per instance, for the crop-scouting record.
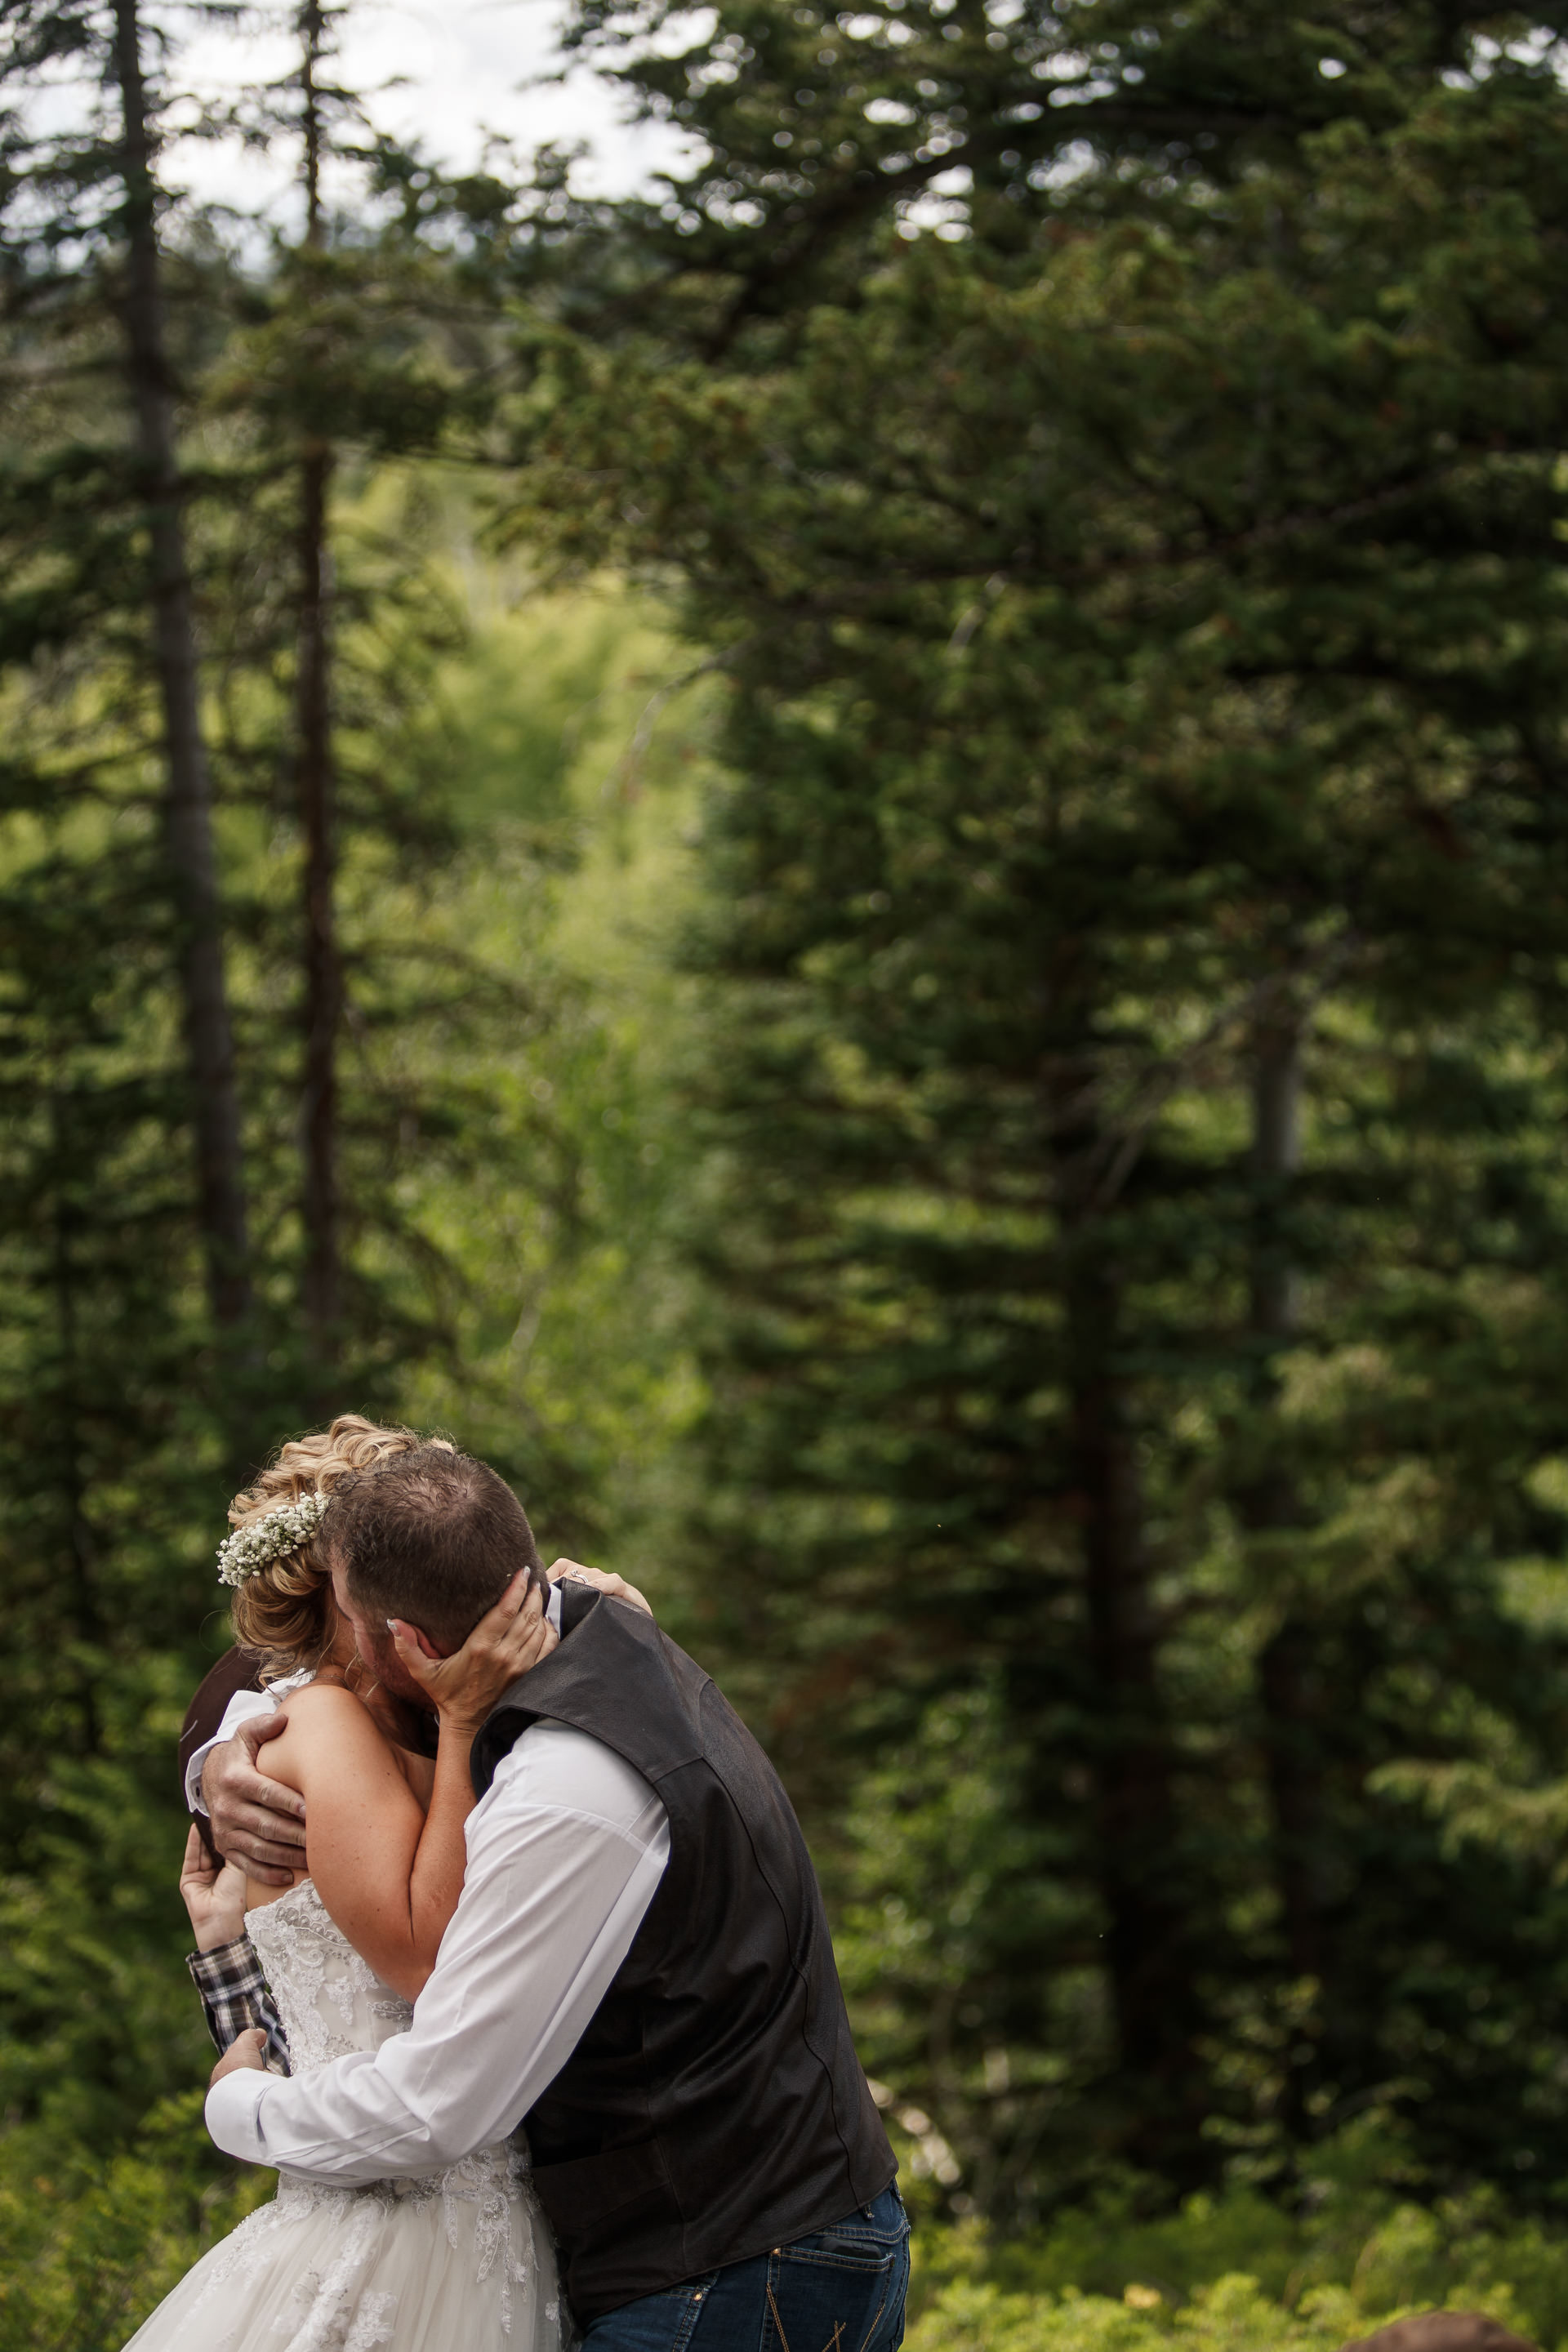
(563, 1723)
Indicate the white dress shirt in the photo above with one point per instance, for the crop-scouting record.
(565, 1852)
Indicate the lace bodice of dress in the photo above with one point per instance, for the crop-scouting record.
(330, 2002)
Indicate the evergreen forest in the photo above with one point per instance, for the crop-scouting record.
(863, 862)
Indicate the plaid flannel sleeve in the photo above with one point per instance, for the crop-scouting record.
(234, 1995)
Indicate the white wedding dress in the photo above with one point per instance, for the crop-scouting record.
(458, 2261)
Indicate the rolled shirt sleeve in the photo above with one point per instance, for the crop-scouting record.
(234, 1995)
(241, 1707)
(565, 1852)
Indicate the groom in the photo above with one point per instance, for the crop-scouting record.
(639, 1969)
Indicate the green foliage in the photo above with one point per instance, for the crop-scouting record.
(1237, 2271)
(562, 1365)
(126, 1420)
(1142, 635)
(814, 128)
(85, 2258)
(988, 1125)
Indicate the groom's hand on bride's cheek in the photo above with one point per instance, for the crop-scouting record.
(257, 1822)
(245, 2052)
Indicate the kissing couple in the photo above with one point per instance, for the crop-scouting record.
(514, 1952)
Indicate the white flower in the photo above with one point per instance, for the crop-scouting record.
(272, 1536)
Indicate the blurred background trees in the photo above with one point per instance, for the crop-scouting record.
(888, 878)
(1138, 608)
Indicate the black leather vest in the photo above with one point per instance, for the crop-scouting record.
(715, 2106)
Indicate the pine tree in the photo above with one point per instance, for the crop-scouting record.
(133, 1395)
(192, 858)
(349, 401)
(106, 178)
(1143, 628)
(317, 793)
(127, 1276)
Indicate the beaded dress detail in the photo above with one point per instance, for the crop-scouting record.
(456, 2261)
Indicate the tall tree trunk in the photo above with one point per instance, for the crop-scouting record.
(210, 1042)
(317, 811)
(1288, 1671)
(1150, 1938)
(1275, 1156)
(77, 1562)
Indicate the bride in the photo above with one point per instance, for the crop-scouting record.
(460, 2257)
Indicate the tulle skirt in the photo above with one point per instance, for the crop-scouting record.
(454, 2261)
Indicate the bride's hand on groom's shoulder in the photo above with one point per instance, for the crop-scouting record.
(244, 2052)
(572, 1571)
(507, 1640)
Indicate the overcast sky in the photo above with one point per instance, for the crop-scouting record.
(466, 68)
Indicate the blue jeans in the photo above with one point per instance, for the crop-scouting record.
(840, 2290)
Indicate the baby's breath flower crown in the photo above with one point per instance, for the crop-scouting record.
(271, 1536)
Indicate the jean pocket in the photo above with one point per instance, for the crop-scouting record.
(843, 2247)
(665, 2322)
(867, 2235)
(835, 2291)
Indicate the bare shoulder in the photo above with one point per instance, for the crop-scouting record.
(324, 1699)
(326, 1722)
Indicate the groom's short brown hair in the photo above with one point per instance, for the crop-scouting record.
(434, 1537)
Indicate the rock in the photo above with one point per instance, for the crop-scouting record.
(1443, 2331)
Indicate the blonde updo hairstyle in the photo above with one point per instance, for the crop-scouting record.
(284, 1611)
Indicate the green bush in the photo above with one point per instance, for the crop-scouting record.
(1232, 2315)
(1240, 2273)
(86, 2250)
(85, 2254)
